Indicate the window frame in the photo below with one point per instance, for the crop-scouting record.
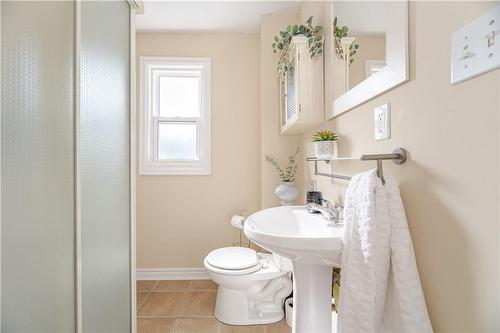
(152, 69)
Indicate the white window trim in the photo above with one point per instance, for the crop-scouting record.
(370, 64)
(148, 165)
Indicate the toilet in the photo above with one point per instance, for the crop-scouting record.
(252, 286)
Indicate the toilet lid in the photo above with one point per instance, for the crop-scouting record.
(232, 258)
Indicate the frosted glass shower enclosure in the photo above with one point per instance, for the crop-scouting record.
(65, 166)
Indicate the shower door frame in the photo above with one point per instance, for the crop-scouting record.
(134, 5)
(0, 169)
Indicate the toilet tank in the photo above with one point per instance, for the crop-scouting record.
(282, 263)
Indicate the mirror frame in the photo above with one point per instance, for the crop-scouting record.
(393, 74)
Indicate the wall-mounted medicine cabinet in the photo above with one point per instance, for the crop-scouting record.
(301, 90)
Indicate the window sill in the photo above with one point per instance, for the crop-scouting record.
(172, 171)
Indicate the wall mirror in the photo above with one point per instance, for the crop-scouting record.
(369, 54)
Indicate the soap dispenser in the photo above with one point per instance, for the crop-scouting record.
(313, 195)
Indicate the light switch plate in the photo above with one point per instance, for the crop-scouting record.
(475, 48)
(382, 122)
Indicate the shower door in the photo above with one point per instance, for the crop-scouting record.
(65, 157)
(37, 167)
(105, 175)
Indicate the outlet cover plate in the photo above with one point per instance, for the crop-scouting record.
(382, 122)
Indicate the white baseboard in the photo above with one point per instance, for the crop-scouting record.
(172, 274)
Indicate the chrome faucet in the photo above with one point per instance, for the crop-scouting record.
(334, 214)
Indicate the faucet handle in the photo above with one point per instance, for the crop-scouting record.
(327, 204)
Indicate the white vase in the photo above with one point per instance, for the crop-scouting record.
(324, 150)
(287, 192)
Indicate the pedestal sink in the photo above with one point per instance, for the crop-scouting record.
(314, 245)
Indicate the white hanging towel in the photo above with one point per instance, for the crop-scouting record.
(380, 287)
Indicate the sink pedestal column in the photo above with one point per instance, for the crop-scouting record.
(312, 298)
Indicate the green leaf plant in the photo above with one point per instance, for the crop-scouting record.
(324, 135)
(288, 173)
(281, 44)
(339, 33)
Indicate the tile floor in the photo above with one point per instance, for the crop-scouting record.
(186, 307)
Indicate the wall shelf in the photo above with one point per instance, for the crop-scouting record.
(309, 159)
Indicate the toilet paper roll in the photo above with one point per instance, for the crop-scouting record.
(237, 221)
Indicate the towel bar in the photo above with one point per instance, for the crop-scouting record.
(398, 156)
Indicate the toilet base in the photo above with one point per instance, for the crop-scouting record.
(263, 305)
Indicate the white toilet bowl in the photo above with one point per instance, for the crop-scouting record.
(252, 286)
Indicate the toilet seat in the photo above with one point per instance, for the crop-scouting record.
(233, 271)
(232, 258)
(233, 261)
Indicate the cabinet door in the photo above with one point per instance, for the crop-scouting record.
(291, 85)
(283, 102)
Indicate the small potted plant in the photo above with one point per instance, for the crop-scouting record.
(286, 191)
(324, 144)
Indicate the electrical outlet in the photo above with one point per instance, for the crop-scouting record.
(382, 122)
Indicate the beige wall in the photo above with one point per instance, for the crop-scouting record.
(181, 218)
(450, 185)
(272, 143)
(370, 48)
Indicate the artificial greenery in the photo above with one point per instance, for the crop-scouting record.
(324, 135)
(287, 174)
(339, 33)
(282, 42)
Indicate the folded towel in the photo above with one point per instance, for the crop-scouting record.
(381, 289)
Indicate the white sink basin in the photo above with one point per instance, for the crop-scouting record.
(314, 245)
(296, 234)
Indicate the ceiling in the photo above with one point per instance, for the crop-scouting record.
(362, 17)
(209, 16)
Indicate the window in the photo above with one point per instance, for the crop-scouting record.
(373, 66)
(175, 116)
